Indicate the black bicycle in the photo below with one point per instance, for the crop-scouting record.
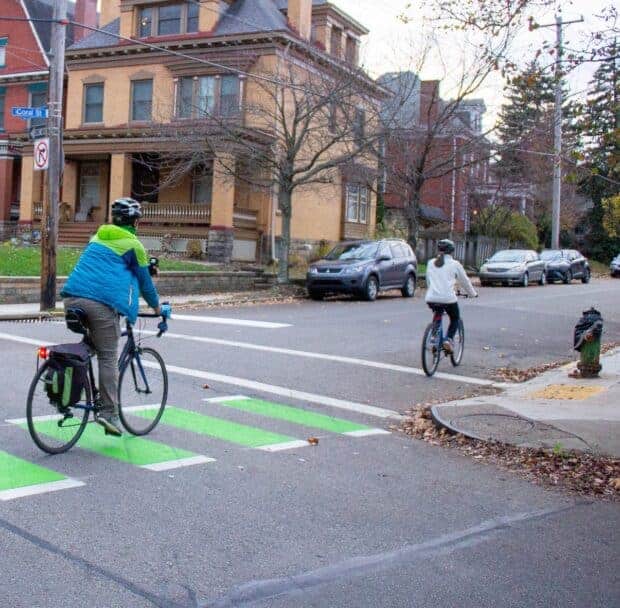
(142, 391)
(433, 341)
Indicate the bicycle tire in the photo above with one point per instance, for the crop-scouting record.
(132, 402)
(41, 424)
(456, 356)
(430, 366)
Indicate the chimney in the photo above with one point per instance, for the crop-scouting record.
(86, 13)
(110, 10)
(299, 14)
(429, 101)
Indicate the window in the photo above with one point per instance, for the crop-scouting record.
(3, 43)
(38, 99)
(2, 99)
(93, 102)
(169, 19)
(145, 22)
(357, 203)
(141, 99)
(229, 98)
(202, 186)
(206, 95)
(192, 17)
(358, 125)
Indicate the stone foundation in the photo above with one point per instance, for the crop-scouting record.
(220, 244)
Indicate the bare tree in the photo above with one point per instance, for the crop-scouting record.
(299, 125)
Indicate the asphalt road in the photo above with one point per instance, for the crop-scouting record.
(361, 519)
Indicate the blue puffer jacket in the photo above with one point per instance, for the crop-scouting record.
(113, 270)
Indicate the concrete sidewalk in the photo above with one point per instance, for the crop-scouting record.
(548, 411)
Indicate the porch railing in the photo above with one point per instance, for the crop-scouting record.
(176, 213)
(37, 211)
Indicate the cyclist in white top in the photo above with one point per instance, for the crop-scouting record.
(442, 273)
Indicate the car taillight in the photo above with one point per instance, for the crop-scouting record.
(43, 353)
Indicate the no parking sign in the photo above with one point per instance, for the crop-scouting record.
(41, 154)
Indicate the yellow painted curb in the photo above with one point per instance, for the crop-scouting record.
(574, 392)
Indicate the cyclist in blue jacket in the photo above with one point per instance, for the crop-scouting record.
(107, 281)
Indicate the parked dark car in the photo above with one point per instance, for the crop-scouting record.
(614, 267)
(565, 265)
(364, 268)
(513, 266)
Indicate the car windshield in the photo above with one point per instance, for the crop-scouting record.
(508, 256)
(353, 251)
(552, 254)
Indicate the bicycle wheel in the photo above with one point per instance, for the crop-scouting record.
(142, 391)
(431, 349)
(456, 356)
(52, 430)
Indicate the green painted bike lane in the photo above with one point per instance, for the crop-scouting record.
(19, 478)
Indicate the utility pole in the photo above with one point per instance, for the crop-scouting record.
(557, 127)
(49, 232)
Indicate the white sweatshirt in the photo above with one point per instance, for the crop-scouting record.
(440, 281)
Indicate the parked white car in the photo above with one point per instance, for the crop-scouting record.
(513, 267)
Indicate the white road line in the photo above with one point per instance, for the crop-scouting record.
(352, 406)
(35, 419)
(367, 432)
(325, 357)
(177, 464)
(230, 321)
(225, 399)
(41, 488)
(288, 445)
(140, 408)
(23, 340)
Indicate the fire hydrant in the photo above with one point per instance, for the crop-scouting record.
(588, 334)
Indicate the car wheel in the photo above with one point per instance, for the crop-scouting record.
(315, 295)
(525, 281)
(484, 283)
(586, 276)
(408, 289)
(543, 279)
(568, 277)
(372, 288)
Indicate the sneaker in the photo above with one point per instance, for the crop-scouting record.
(111, 424)
(448, 347)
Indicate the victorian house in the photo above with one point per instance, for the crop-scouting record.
(156, 66)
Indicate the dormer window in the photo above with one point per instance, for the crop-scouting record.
(168, 19)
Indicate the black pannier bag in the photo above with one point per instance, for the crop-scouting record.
(66, 376)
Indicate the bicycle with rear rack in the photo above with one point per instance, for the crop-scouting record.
(433, 342)
(142, 389)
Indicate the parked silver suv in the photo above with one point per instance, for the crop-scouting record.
(513, 266)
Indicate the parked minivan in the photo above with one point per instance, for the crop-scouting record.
(364, 268)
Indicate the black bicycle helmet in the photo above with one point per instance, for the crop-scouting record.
(125, 211)
(445, 246)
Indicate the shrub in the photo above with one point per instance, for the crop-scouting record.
(194, 249)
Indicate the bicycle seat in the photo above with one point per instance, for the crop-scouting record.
(77, 320)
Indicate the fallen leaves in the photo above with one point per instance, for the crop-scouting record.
(313, 441)
(579, 472)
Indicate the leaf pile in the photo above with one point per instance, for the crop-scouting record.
(282, 294)
(514, 374)
(573, 471)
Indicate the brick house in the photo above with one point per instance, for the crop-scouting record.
(24, 71)
(458, 158)
(120, 92)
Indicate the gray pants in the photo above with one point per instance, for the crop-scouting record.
(105, 331)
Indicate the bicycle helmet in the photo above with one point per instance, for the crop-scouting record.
(125, 211)
(445, 246)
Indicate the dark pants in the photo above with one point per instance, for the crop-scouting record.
(453, 313)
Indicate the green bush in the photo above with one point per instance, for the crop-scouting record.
(522, 230)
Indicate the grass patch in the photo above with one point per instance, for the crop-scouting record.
(26, 262)
(598, 268)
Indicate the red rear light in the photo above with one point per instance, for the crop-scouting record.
(43, 352)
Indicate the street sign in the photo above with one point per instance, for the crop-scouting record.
(37, 132)
(29, 113)
(41, 154)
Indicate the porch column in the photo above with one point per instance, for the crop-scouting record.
(120, 178)
(221, 233)
(69, 191)
(27, 190)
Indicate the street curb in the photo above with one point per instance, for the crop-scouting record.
(440, 423)
(38, 316)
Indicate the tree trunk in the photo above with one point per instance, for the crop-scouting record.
(413, 220)
(284, 203)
